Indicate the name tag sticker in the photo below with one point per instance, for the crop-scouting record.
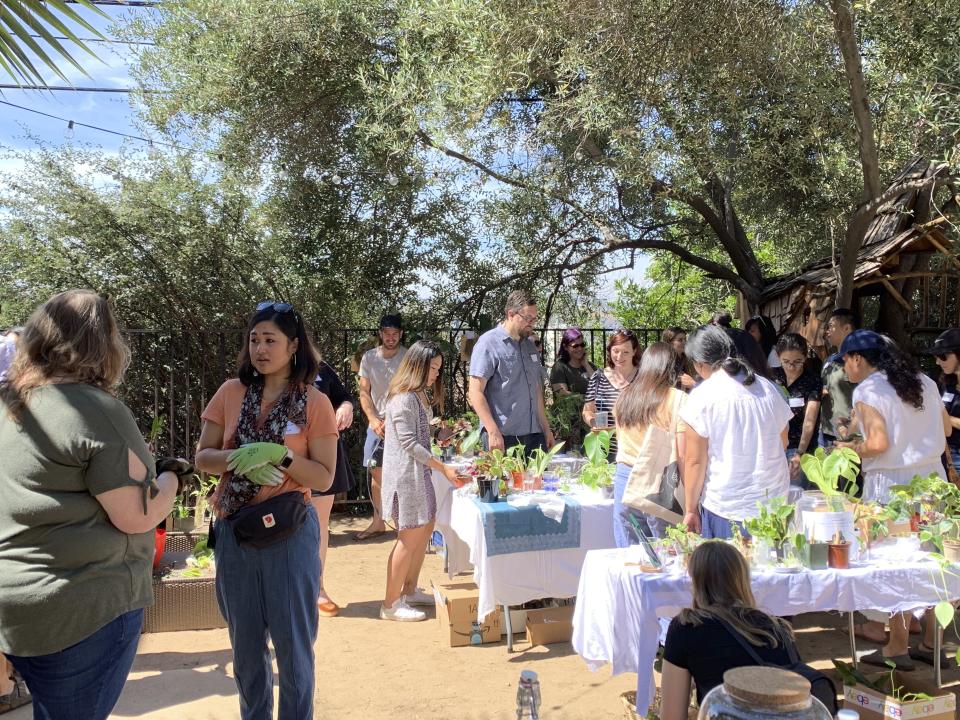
(535, 357)
(292, 429)
(947, 397)
(797, 402)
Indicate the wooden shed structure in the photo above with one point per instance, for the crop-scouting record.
(893, 259)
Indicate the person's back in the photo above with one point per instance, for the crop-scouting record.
(743, 426)
(708, 649)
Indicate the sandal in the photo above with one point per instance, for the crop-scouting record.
(924, 654)
(328, 609)
(902, 662)
(859, 632)
(368, 534)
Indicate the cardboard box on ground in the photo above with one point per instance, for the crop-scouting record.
(550, 625)
(457, 602)
(872, 705)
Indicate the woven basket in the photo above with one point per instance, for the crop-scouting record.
(178, 542)
(183, 604)
(629, 700)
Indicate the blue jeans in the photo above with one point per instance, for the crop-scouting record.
(84, 681)
(271, 591)
(622, 531)
(715, 526)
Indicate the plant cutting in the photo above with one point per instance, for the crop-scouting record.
(770, 527)
(834, 474)
(683, 540)
(598, 472)
(540, 460)
(852, 677)
(200, 495)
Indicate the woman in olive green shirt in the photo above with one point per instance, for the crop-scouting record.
(79, 499)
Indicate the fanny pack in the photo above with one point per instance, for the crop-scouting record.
(271, 521)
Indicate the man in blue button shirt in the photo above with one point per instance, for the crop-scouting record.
(506, 384)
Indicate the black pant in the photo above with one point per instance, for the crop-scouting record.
(529, 442)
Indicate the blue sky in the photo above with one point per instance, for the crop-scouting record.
(108, 110)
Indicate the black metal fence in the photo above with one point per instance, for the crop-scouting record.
(173, 374)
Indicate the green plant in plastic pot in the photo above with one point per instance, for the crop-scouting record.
(598, 472)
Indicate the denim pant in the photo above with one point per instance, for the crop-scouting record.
(714, 526)
(84, 681)
(271, 593)
(622, 531)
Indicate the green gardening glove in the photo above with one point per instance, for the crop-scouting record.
(265, 475)
(253, 455)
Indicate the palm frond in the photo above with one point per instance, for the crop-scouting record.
(24, 57)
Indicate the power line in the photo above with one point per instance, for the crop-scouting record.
(73, 123)
(99, 40)
(70, 88)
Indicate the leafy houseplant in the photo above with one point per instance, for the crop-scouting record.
(683, 540)
(598, 473)
(565, 418)
(540, 460)
(826, 471)
(200, 495)
(770, 526)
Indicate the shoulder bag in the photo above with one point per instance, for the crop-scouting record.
(654, 485)
(271, 521)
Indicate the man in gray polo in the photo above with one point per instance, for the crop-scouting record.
(506, 388)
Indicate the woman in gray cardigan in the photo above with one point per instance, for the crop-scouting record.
(407, 490)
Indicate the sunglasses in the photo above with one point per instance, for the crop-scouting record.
(280, 307)
(578, 345)
(940, 356)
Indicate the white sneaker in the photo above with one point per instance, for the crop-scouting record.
(401, 612)
(419, 597)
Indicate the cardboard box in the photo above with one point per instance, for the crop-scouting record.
(550, 625)
(873, 705)
(457, 602)
(518, 622)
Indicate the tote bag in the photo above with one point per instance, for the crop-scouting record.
(654, 484)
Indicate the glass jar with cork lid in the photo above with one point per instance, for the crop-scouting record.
(761, 693)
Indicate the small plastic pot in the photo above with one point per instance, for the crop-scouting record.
(839, 555)
(488, 489)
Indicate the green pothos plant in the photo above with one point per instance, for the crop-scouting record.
(598, 472)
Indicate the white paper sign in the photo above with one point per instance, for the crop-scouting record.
(797, 402)
(292, 429)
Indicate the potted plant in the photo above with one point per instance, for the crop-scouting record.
(540, 461)
(514, 465)
(682, 540)
(598, 472)
(770, 529)
(490, 467)
(834, 474)
(839, 552)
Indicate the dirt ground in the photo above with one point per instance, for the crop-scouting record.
(368, 669)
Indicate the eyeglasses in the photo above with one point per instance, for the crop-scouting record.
(280, 307)
(793, 363)
(578, 345)
(529, 319)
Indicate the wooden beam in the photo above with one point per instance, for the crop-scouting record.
(896, 295)
(902, 276)
(943, 250)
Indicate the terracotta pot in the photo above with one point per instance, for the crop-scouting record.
(538, 482)
(839, 555)
(517, 476)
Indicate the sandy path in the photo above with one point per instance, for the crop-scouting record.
(368, 669)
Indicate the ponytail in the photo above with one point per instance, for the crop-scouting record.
(734, 366)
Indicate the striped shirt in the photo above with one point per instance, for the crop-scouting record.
(601, 392)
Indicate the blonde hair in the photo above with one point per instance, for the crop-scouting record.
(721, 590)
(73, 336)
(414, 371)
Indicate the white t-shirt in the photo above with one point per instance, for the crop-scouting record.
(8, 348)
(380, 371)
(746, 462)
(915, 436)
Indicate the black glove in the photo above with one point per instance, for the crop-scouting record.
(183, 469)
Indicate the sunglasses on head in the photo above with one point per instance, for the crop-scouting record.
(280, 307)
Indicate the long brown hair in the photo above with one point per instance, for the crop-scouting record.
(73, 336)
(721, 589)
(414, 371)
(641, 402)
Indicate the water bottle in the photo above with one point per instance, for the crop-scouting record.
(528, 696)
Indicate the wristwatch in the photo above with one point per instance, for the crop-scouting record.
(287, 460)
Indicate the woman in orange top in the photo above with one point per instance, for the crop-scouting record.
(272, 438)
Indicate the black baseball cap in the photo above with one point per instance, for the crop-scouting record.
(391, 321)
(946, 342)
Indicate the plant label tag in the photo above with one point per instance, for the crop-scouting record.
(796, 402)
(947, 397)
(269, 521)
(292, 429)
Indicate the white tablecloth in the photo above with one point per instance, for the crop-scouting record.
(618, 607)
(517, 578)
